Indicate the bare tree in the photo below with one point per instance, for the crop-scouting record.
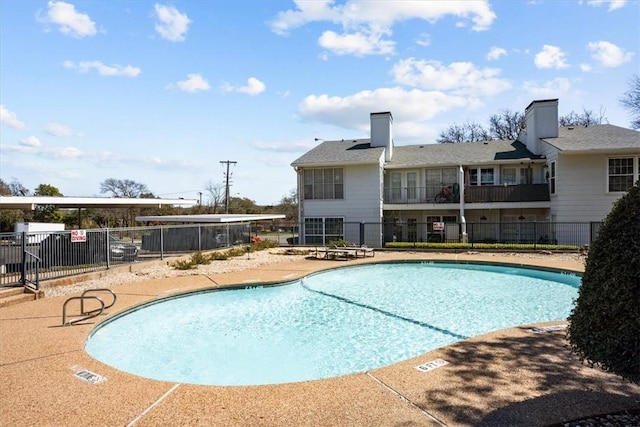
(124, 188)
(467, 132)
(506, 125)
(631, 101)
(17, 189)
(216, 195)
(586, 118)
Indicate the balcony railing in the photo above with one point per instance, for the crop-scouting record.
(472, 194)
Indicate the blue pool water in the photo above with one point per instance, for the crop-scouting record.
(329, 324)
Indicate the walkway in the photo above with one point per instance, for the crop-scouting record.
(510, 377)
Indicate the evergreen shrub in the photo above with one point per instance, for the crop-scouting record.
(604, 327)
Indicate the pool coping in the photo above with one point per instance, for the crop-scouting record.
(508, 377)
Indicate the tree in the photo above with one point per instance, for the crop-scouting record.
(47, 213)
(215, 194)
(506, 125)
(289, 206)
(604, 326)
(125, 188)
(587, 118)
(47, 190)
(8, 217)
(17, 189)
(467, 132)
(631, 101)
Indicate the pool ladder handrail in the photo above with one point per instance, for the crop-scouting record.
(91, 313)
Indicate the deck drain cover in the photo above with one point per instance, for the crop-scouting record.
(89, 376)
(548, 329)
(429, 366)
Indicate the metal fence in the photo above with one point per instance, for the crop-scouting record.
(27, 258)
(521, 234)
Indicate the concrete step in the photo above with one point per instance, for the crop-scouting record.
(13, 299)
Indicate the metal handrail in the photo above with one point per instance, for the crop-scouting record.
(87, 316)
(25, 280)
(113, 295)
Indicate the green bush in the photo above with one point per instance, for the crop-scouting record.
(604, 324)
(184, 264)
(483, 246)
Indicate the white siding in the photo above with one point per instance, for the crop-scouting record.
(581, 189)
(362, 202)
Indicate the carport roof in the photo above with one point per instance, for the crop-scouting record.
(30, 202)
(207, 218)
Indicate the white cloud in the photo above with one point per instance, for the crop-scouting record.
(171, 25)
(193, 83)
(103, 69)
(613, 4)
(357, 44)
(285, 147)
(10, 119)
(100, 159)
(424, 40)
(352, 112)
(555, 88)
(69, 21)
(381, 14)
(253, 87)
(585, 68)
(495, 53)
(365, 23)
(457, 76)
(57, 129)
(608, 54)
(550, 57)
(30, 141)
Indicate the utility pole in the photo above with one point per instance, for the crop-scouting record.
(226, 187)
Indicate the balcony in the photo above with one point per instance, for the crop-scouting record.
(472, 194)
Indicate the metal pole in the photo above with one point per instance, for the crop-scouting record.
(226, 192)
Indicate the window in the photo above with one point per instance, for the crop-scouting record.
(323, 183)
(486, 176)
(396, 186)
(552, 178)
(412, 229)
(412, 184)
(509, 176)
(438, 178)
(321, 231)
(621, 174)
(526, 176)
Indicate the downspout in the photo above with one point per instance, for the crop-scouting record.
(463, 220)
(300, 190)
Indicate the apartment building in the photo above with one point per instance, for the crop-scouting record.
(433, 192)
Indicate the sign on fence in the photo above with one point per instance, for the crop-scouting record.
(438, 226)
(78, 236)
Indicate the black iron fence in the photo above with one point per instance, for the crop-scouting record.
(27, 258)
(518, 235)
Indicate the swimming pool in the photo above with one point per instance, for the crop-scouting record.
(332, 323)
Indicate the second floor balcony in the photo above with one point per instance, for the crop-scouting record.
(472, 194)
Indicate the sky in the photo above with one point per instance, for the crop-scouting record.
(162, 93)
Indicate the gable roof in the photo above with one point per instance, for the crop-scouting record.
(597, 138)
(467, 153)
(360, 152)
(353, 151)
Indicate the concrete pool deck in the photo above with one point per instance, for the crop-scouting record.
(512, 377)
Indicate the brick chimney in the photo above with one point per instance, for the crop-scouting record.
(541, 121)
